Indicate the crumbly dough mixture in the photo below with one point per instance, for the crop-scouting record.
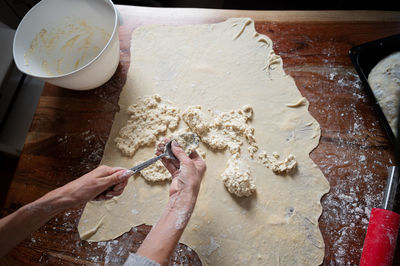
(237, 179)
(224, 130)
(276, 165)
(149, 118)
(188, 141)
(230, 130)
(187, 147)
(227, 130)
(384, 80)
(156, 173)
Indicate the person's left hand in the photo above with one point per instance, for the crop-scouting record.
(187, 172)
(102, 183)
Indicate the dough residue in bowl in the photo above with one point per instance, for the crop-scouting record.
(64, 47)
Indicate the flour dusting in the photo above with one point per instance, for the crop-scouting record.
(354, 180)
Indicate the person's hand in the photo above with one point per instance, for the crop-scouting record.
(102, 183)
(186, 173)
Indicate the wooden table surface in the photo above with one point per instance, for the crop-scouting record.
(70, 129)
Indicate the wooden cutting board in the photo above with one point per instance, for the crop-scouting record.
(70, 129)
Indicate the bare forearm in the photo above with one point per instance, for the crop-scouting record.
(164, 236)
(17, 226)
(103, 182)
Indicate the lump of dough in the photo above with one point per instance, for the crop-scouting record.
(196, 120)
(276, 165)
(225, 130)
(299, 103)
(188, 141)
(283, 166)
(384, 80)
(237, 179)
(156, 172)
(149, 118)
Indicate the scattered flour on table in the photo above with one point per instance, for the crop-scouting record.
(353, 180)
(92, 149)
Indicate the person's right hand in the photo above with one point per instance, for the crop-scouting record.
(102, 183)
(187, 173)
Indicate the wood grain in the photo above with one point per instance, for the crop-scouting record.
(70, 129)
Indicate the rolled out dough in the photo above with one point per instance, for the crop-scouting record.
(222, 67)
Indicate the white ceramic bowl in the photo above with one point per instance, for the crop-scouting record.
(69, 43)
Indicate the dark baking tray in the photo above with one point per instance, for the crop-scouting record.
(364, 58)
